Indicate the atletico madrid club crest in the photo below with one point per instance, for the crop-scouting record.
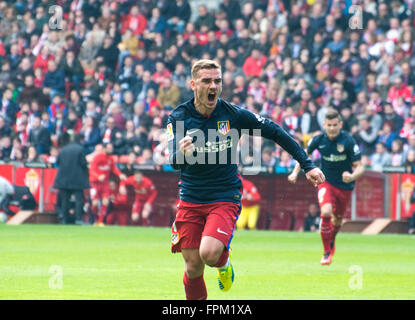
(175, 238)
(340, 147)
(223, 127)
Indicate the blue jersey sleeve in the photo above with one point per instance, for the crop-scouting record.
(353, 150)
(271, 130)
(313, 143)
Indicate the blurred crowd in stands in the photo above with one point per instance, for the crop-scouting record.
(114, 70)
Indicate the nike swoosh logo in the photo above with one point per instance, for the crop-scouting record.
(191, 131)
(220, 231)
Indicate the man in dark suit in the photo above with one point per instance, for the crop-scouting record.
(72, 177)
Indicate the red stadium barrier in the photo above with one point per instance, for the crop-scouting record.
(7, 172)
(283, 205)
(370, 195)
(31, 178)
(167, 192)
(402, 188)
(49, 194)
(38, 180)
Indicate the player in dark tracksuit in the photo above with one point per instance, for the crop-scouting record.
(341, 165)
(203, 135)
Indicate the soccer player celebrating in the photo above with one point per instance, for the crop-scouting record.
(102, 165)
(340, 163)
(210, 186)
(145, 193)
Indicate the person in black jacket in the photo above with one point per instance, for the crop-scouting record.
(54, 82)
(108, 54)
(4, 127)
(312, 218)
(72, 177)
(8, 107)
(179, 15)
(72, 69)
(232, 9)
(39, 136)
(411, 229)
(30, 92)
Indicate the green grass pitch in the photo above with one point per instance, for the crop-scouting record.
(83, 262)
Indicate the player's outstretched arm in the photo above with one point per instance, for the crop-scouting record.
(292, 177)
(315, 176)
(358, 170)
(271, 130)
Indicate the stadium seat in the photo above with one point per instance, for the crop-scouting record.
(281, 220)
(299, 223)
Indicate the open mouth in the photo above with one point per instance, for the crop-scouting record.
(211, 97)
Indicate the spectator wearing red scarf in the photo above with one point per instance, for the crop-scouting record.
(56, 104)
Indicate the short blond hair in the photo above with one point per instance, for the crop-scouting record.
(204, 64)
